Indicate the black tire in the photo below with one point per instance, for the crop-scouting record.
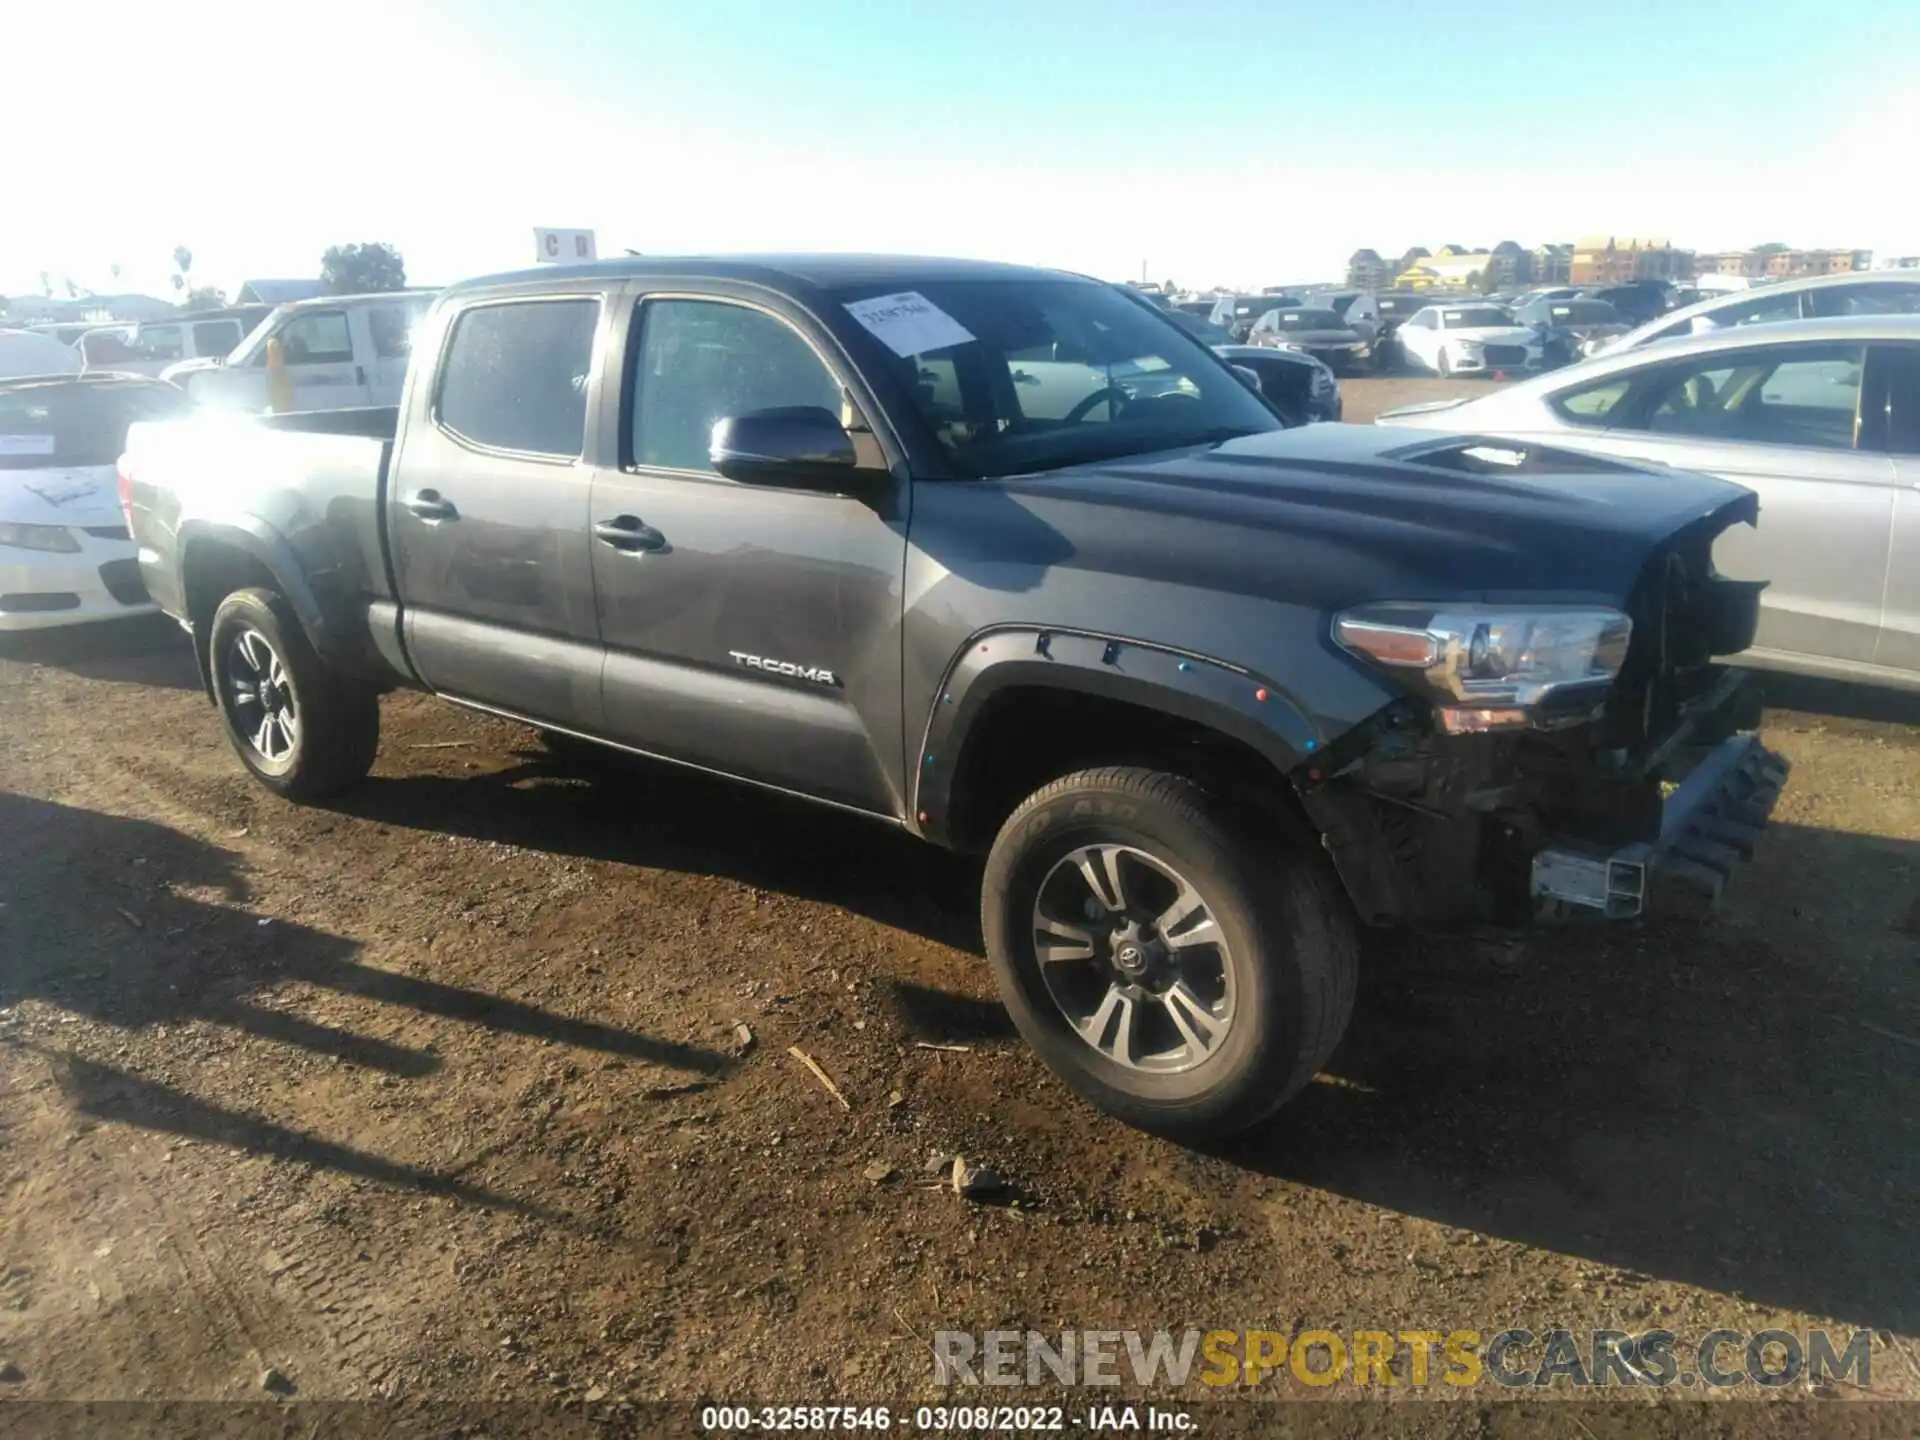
(331, 729)
(1289, 941)
(1446, 365)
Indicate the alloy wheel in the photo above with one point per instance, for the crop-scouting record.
(261, 698)
(1134, 958)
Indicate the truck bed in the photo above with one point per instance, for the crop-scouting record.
(302, 492)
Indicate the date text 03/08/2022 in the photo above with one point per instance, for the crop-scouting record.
(963, 1419)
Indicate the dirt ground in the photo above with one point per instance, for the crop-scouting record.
(477, 1085)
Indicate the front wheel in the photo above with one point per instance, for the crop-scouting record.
(1171, 968)
(1446, 366)
(304, 730)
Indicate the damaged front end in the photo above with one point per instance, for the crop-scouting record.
(1552, 761)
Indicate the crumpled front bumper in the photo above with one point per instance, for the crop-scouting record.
(1709, 825)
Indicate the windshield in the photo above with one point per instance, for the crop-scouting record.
(76, 422)
(1064, 372)
(1478, 317)
(1307, 320)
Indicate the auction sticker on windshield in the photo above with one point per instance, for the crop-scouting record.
(909, 323)
(26, 444)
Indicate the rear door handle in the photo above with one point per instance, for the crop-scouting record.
(629, 533)
(359, 374)
(428, 505)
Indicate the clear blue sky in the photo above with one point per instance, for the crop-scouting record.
(1225, 141)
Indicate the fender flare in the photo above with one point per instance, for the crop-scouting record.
(260, 542)
(1184, 684)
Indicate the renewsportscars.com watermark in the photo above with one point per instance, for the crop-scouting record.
(1719, 1359)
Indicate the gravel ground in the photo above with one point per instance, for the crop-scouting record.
(477, 1085)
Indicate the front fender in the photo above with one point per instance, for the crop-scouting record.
(1189, 686)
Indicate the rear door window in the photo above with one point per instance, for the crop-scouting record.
(1898, 298)
(515, 376)
(1804, 395)
(159, 342)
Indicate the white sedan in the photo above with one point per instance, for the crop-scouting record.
(65, 556)
(1469, 339)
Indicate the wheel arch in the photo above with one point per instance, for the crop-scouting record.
(997, 723)
(218, 558)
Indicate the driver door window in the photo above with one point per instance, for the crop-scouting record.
(699, 361)
(318, 338)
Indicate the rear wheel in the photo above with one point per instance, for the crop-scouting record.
(1172, 969)
(302, 728)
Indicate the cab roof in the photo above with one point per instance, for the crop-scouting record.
(825, 271)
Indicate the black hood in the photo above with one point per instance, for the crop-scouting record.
(1340, 515)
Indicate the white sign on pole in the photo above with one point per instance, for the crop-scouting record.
(562, 247)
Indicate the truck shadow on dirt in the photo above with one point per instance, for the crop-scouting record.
(1725, 1105)
(145, 650)
(135, 925)
(592, 803)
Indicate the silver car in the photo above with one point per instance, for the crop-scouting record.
(1821, 418)
(1821, 297)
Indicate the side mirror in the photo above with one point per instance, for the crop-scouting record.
(1248, 377)
(803, 447)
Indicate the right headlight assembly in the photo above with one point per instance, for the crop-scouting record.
(1495, 667)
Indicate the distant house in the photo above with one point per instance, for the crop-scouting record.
(1413, 257)
(1552, 264)
(279, 292)
(1367, 271)
(103, 309)
(1509, 265)
(1463, 271)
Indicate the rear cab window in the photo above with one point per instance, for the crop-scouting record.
(514, 375)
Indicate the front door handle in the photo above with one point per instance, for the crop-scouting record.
(428, 505)
(629, 533)
(359, 374)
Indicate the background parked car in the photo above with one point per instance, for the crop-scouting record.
(342, 352)
(1820, 296)
(1820, 417)
(24, 353)
(1470, 339)
(1237, 313)
(1395, 308)
(1304, 390)
(1299, 387)
(1638, 302)
(1359, 310)
(153, 345)
(65, 556)
(1571, 329)
(1319, 333)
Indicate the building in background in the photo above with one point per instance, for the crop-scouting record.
(1367, 271)
(1461, 270)
(1782, 262)
(99, 309)
(1412, 258)
(1617, 259)
(1552, 264)
(1509, 266)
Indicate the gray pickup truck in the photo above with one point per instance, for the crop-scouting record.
(1004, 559)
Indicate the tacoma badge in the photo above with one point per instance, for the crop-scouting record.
(815, 673)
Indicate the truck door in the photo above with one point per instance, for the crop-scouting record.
(319, 350)
(751, 630)
(1900, 631)
(487, 510)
